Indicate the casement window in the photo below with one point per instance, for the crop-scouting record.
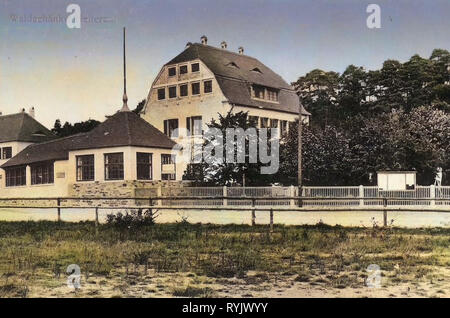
(264, 122)
(258, 91)
(42, 173)
(272, 95)
(283, 126)
(16, 176)
(207, 86)
(114, 166)
(195, 67)
(196, 88)
(85, 168)
(254, 120)
(194, 125)
(172, 71)
(274, 123)
(183, 90)
(183, 69)
(261, 92)
(171, 127)
(6, 153)
(161, 93)
(144, 166)
(168, 167)
(172, 92)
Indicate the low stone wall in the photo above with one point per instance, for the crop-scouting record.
(86, 191)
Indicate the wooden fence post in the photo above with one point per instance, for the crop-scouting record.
(361, 195)
(271, 220)
(385, 212)
(292, 194)
(432, 195)
(96, 216)
(224, 193)
(253, 212)
(58, 203)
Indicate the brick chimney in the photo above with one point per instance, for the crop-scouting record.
(31, 112)
(204, 40)
(241, 50)
(223, 45)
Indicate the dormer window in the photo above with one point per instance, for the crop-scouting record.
(233, 65)
(256, 70)
(172, 71)
(258, 91)
(265, 93)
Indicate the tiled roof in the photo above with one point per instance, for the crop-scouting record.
(236, 72)
(23, 127)
(121, 129)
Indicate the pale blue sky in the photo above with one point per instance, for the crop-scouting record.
(75, 74)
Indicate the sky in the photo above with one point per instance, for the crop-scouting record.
(76, 74)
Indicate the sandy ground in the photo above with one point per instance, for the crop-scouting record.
(152, 284)
(402, 219)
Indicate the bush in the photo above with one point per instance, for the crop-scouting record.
(132, 219)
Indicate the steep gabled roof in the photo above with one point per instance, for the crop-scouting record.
(23, 127)
(236, 72)
(121, 129)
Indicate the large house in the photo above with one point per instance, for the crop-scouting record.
(17, 131)
(120, 155)
(202, 81)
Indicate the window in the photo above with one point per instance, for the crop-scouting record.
(114, 166)
(207, 86)
(195, 88)
(172, 92)
(171, 127)
(6, 153)
(183, 90)
(85, 168)
(283, 126)
(258, 91)
(272, 94)
(274, 123)
(172, 71)
(168, 167)
(183, 69)
(42, 173)
(144, 166)
(16, 176)
(161, 93)
(194, 125)
(261, 92)
(264, 122)
(254, 120)
(195, 67)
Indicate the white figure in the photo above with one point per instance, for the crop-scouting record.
(438, 177)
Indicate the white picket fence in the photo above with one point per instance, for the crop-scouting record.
(348, 196)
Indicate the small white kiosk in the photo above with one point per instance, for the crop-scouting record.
(396, 180)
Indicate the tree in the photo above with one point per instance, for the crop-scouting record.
(220, 173)
(318, 92)
(68, 129)
(326, 156)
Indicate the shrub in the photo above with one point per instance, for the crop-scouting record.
(132, 219)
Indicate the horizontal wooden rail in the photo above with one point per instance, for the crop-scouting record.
(226, 197)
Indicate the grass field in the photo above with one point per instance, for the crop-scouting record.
(193, 260)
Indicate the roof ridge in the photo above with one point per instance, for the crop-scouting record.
(223, 50)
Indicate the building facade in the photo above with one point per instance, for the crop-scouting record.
(123, 153)
(17, 131)
(203, 81)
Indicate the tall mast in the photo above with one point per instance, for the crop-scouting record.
(125, 98)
